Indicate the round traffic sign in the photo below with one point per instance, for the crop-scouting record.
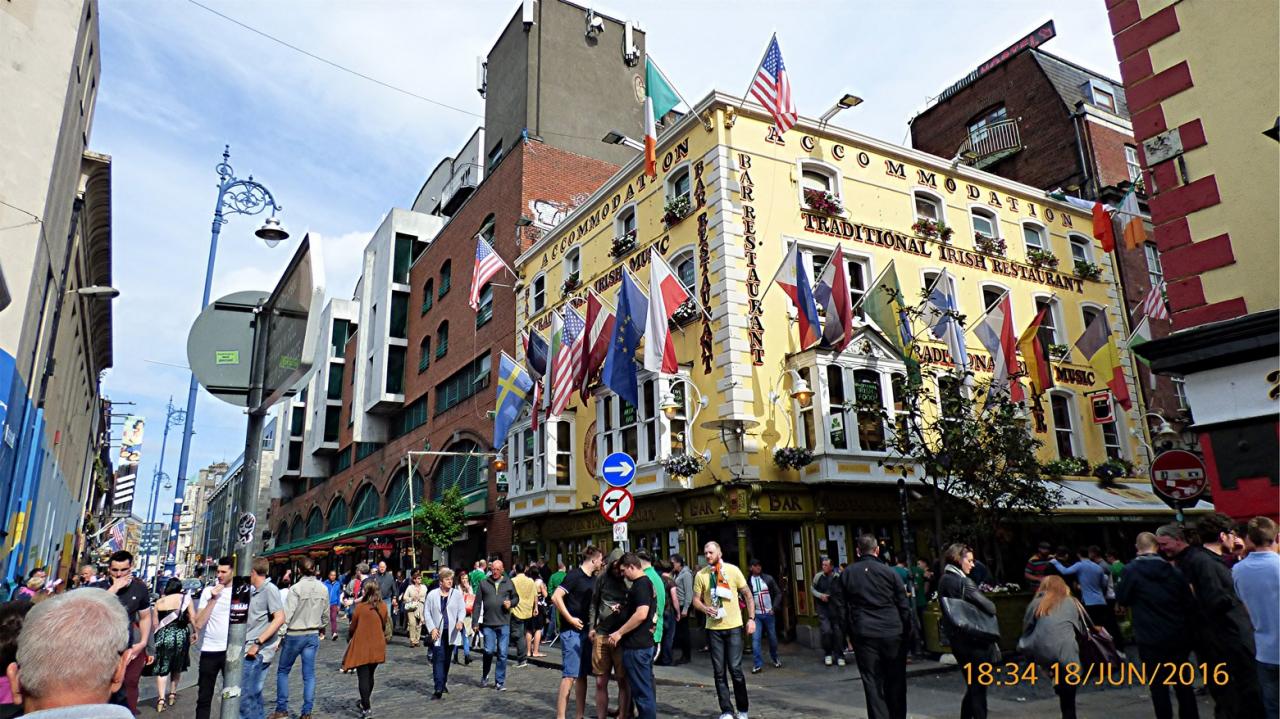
(1178, 475)
(617, 504)
(618, 469)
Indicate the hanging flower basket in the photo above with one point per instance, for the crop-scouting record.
(685, 313)
(823, 202)
(989, 245)
(931, 230)
(1042, 259)
(676, 209)
(571, 283)
(683, 465)
(623, 244)
(792, 458)
(1059, 352)
(1087, 270)
(1111, 470)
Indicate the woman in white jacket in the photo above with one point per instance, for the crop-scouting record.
(445, 614)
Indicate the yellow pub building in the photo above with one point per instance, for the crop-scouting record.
(735, 397)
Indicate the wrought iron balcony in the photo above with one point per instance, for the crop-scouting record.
(991, 143)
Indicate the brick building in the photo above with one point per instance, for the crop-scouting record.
(1203, 92)
(1043, 120)
(406, 364)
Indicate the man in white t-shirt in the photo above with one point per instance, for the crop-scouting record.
(213, 624)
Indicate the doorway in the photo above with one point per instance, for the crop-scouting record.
(770, 542)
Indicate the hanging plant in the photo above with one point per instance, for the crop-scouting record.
(683, 465)
(623, 244)
(823, 202)
(1087, 270)
(1112, 469)
(1042, 259)
(1067, 467)
(676, 209)
(571, 283)
(989, 245)
(792, 457)
(1059, 352)
(686, 312)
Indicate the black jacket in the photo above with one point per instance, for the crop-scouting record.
(875, 599)
(956, 585)
(1161, 600)
(1222, 619)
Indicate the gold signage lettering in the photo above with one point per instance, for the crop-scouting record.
(895, 169)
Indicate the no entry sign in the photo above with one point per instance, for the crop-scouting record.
(1178, 475)
(616, 504)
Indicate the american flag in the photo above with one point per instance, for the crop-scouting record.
(773, 89)
(1153, 305)
(566, 368)
(117, 538)
(487, 265)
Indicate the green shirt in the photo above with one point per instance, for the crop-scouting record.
(476, 576)
(660, 590)
(556, 578)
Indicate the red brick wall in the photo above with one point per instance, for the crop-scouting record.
(1106, 147)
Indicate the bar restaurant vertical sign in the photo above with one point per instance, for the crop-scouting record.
(755, 330)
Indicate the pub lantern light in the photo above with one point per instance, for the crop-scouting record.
(801, 392)
(272, 232)
(499, 464)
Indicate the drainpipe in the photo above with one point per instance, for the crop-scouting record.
(1089, 180)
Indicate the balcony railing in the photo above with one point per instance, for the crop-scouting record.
(466, 177)
(991, 143)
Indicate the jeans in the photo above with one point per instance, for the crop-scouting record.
(882, 662)
(831, 629)
(211, 664)
(440, 665)
(726, 654)
(295, 646)
(364, 678)
(668, 638)
(1154, 657)
(496, 640)
(764, 623)
(638, 664)
(1269, 682)
(251, 677)
(682, 639)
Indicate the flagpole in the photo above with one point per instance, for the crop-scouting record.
(874, 283)
(970, 326)
(928, 291)
(705, 123)
(747, 93)
(655, 257)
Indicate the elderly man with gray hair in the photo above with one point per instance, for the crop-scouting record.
(72, 653)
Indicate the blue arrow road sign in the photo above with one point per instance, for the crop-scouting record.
(619, 469)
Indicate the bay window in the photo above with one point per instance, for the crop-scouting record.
(851, 405)
(541, 459)
(643, 431)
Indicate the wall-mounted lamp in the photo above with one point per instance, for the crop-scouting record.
(847, 101)
(613, 137)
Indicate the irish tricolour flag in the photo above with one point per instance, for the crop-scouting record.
(659, 99)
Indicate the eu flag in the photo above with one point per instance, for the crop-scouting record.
(514, 384)
(620, 364)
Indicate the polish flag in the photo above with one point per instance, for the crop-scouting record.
(665, 295)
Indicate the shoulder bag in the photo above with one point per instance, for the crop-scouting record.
(970, 621)
(1096, 645)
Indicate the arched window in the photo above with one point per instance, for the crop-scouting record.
(1081, 249)
(573, 264)
(468, 473)
(539, 298)
(366, 506)
(442, 339)
(428, 294)
(315, 523)
(817, 181)
(685, 264)
(446, 277)
(299, 531)
(337, 515)
(1051, 330)
(678, 185)
(1034, 237)
(991, 294)
(424, 354)
(984, 222)
(928, 206)
(625, 222)
(398, 499)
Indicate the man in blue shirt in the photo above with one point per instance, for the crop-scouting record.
(334, 585)
(1093, 588)
(1257, 582)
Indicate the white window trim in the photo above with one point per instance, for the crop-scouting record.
(534, 307)
(1077, 445)
(994, 217)
(924, 284)
(808, 247)
(1117, 412)
(576, 251)
(620, 215)
(677, 257)
(663, 433)
(1055, 309)
(834, 177)
(984, 285)
(1092, 306)
(935, 198)
(516, 458)
(1088, 245)
(1041, 229)
(669, 185)
(821, 403)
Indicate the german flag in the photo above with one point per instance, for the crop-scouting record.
(1036, 356)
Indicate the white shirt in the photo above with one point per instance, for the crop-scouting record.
(214, 635)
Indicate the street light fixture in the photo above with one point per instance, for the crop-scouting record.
(97, 292)
(613, 137)
(271, 232)
(847, 101)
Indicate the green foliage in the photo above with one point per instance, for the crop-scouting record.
(1067, 467)
(439, 522)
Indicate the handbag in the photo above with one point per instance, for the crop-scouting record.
(1096, 645)
(969, 620)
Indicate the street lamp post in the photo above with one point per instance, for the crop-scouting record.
(172, 418)
(235, 197)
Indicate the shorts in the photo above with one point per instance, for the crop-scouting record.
(573, 645)
(605, 658)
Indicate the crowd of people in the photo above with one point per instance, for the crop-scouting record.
(1205, 594)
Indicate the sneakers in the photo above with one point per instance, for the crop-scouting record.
(756, 670)
(727, 715)
(333, 638)
(840, 661)
(500, 687)
(279, 715)
(484, 681)
(827, 660)
(522, 663)
(742, 715)
(777, 664)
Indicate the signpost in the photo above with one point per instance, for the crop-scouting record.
(618, 469)
(1178, 477)
(220, 345)
(617, 504)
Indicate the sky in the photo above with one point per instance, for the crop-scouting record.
(338, 151)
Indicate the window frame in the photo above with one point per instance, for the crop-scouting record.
(428, 295)
(620, 221)
(424, 353)
(1054, 314)
(446, 278)
(669, 190)
(987, 285)
(610, 435)
(442, 339)
(987, 214)
(1133, 164)
(1118, 449)
(571, 264)
(814, 427)
(866, 271)
(1076, 240)
(1155, 265)
(979, 126)
(488, 229)
(538, 295)
(1040, 231)
(933, 198)
(834, 178)
(678, 258)
(1073, 420)
(528, 473)
(484, 311)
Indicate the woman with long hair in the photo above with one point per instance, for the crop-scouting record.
(1051, 631)
(969, 650)
(468, 603)
(175, 630)
(368, 644)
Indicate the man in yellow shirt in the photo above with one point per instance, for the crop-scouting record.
(716, 592)
(522, 614)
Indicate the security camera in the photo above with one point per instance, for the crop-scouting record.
(595, 25)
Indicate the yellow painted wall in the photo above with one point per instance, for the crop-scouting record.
(875, 195)
(1230, 48)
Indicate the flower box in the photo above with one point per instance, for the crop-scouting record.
(623, 244)
(823, 202)
(792, 458)
(989, 245)
(676, 209)
(1042, 259)
(1059, 352)
(1087, 270)
(571, 283)
(685, 313)
(931, 230)
(1067, 467)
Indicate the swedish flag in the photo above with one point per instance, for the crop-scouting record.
(514, 384)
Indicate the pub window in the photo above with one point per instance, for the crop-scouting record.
(836, 408)
(1050, 327)
(816, 179)
(678, 185)
(631, 429)
(1081, 249)
(927, 207)
(625, 222)
(984, 222)
(1063, 424)
(868, 395)
(1034, 237)
(541, 458)
(539, 293)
